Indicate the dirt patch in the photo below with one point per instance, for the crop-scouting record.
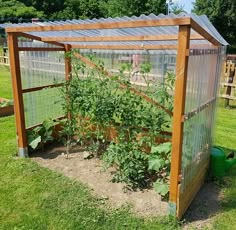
(89, 172)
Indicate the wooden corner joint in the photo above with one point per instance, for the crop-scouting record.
(180, 178)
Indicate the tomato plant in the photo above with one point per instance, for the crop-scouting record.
(93, 102)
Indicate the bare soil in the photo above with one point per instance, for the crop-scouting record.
(90, 172)
(146, 203)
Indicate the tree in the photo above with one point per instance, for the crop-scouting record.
(177, 9)
(74, 9)
(48, 7)
(222, 14)
(119, 8)
(15, 11)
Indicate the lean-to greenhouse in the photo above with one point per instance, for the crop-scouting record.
(186, 45)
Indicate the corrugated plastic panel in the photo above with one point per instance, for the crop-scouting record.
(202, 83)
(201, 20)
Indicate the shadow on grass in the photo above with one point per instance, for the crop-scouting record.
(211, 200)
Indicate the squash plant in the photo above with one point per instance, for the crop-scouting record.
(159, 161)
(40, 135)
(93, 102)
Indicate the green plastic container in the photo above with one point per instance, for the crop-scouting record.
(219, 165)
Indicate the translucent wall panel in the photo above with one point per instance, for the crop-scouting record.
(161, 61)
(39, 68)
(202, 83)
(42, 105)
(196, 144)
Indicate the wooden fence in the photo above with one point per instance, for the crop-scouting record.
(228, 82)
(4, 60)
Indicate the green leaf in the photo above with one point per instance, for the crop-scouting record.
(47, 124)
(37, 129)
(161, 187)
(155, 163)
(162, 148)
(35, 142)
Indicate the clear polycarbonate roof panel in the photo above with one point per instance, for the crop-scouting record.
(203, 21)
(35, 43)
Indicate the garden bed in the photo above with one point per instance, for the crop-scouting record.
(6, 107)
(145, 202)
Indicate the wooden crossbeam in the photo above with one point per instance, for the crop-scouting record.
(195, 111)
(164, 37)
(104, 25)
(126, 47)
(33, 37)
(41, 49)
(41, 87)
(203, 32)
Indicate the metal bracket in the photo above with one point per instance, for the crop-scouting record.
(23, 152)
(172, 208)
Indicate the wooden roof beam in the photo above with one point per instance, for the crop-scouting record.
(204, 33)
(125, 47)
(104, 25)
(167, 37)
(33, 37)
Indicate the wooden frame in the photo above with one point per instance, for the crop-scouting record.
(125, 47)
(183, 48)
(68, 68)
(169, 37)
(179, 105)
(33, 37)
(40, 49)
(17, 92)
(40, 88)
(104, 25)
(116, 25)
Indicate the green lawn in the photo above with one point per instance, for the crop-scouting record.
(32, 197)
(225, 131)
(5, 82)
(225, 136)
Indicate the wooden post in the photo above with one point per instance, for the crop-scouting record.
(68, 68)
(17, 92)
(179, 106)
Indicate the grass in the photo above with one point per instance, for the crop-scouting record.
(225, 131)
(225, 134)
(5, 82)
(33, 197)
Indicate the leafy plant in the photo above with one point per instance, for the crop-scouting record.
(93, 102)
(40, 135)
(130, 162)
(159, 161)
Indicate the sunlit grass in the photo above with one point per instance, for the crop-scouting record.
(5, 83)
